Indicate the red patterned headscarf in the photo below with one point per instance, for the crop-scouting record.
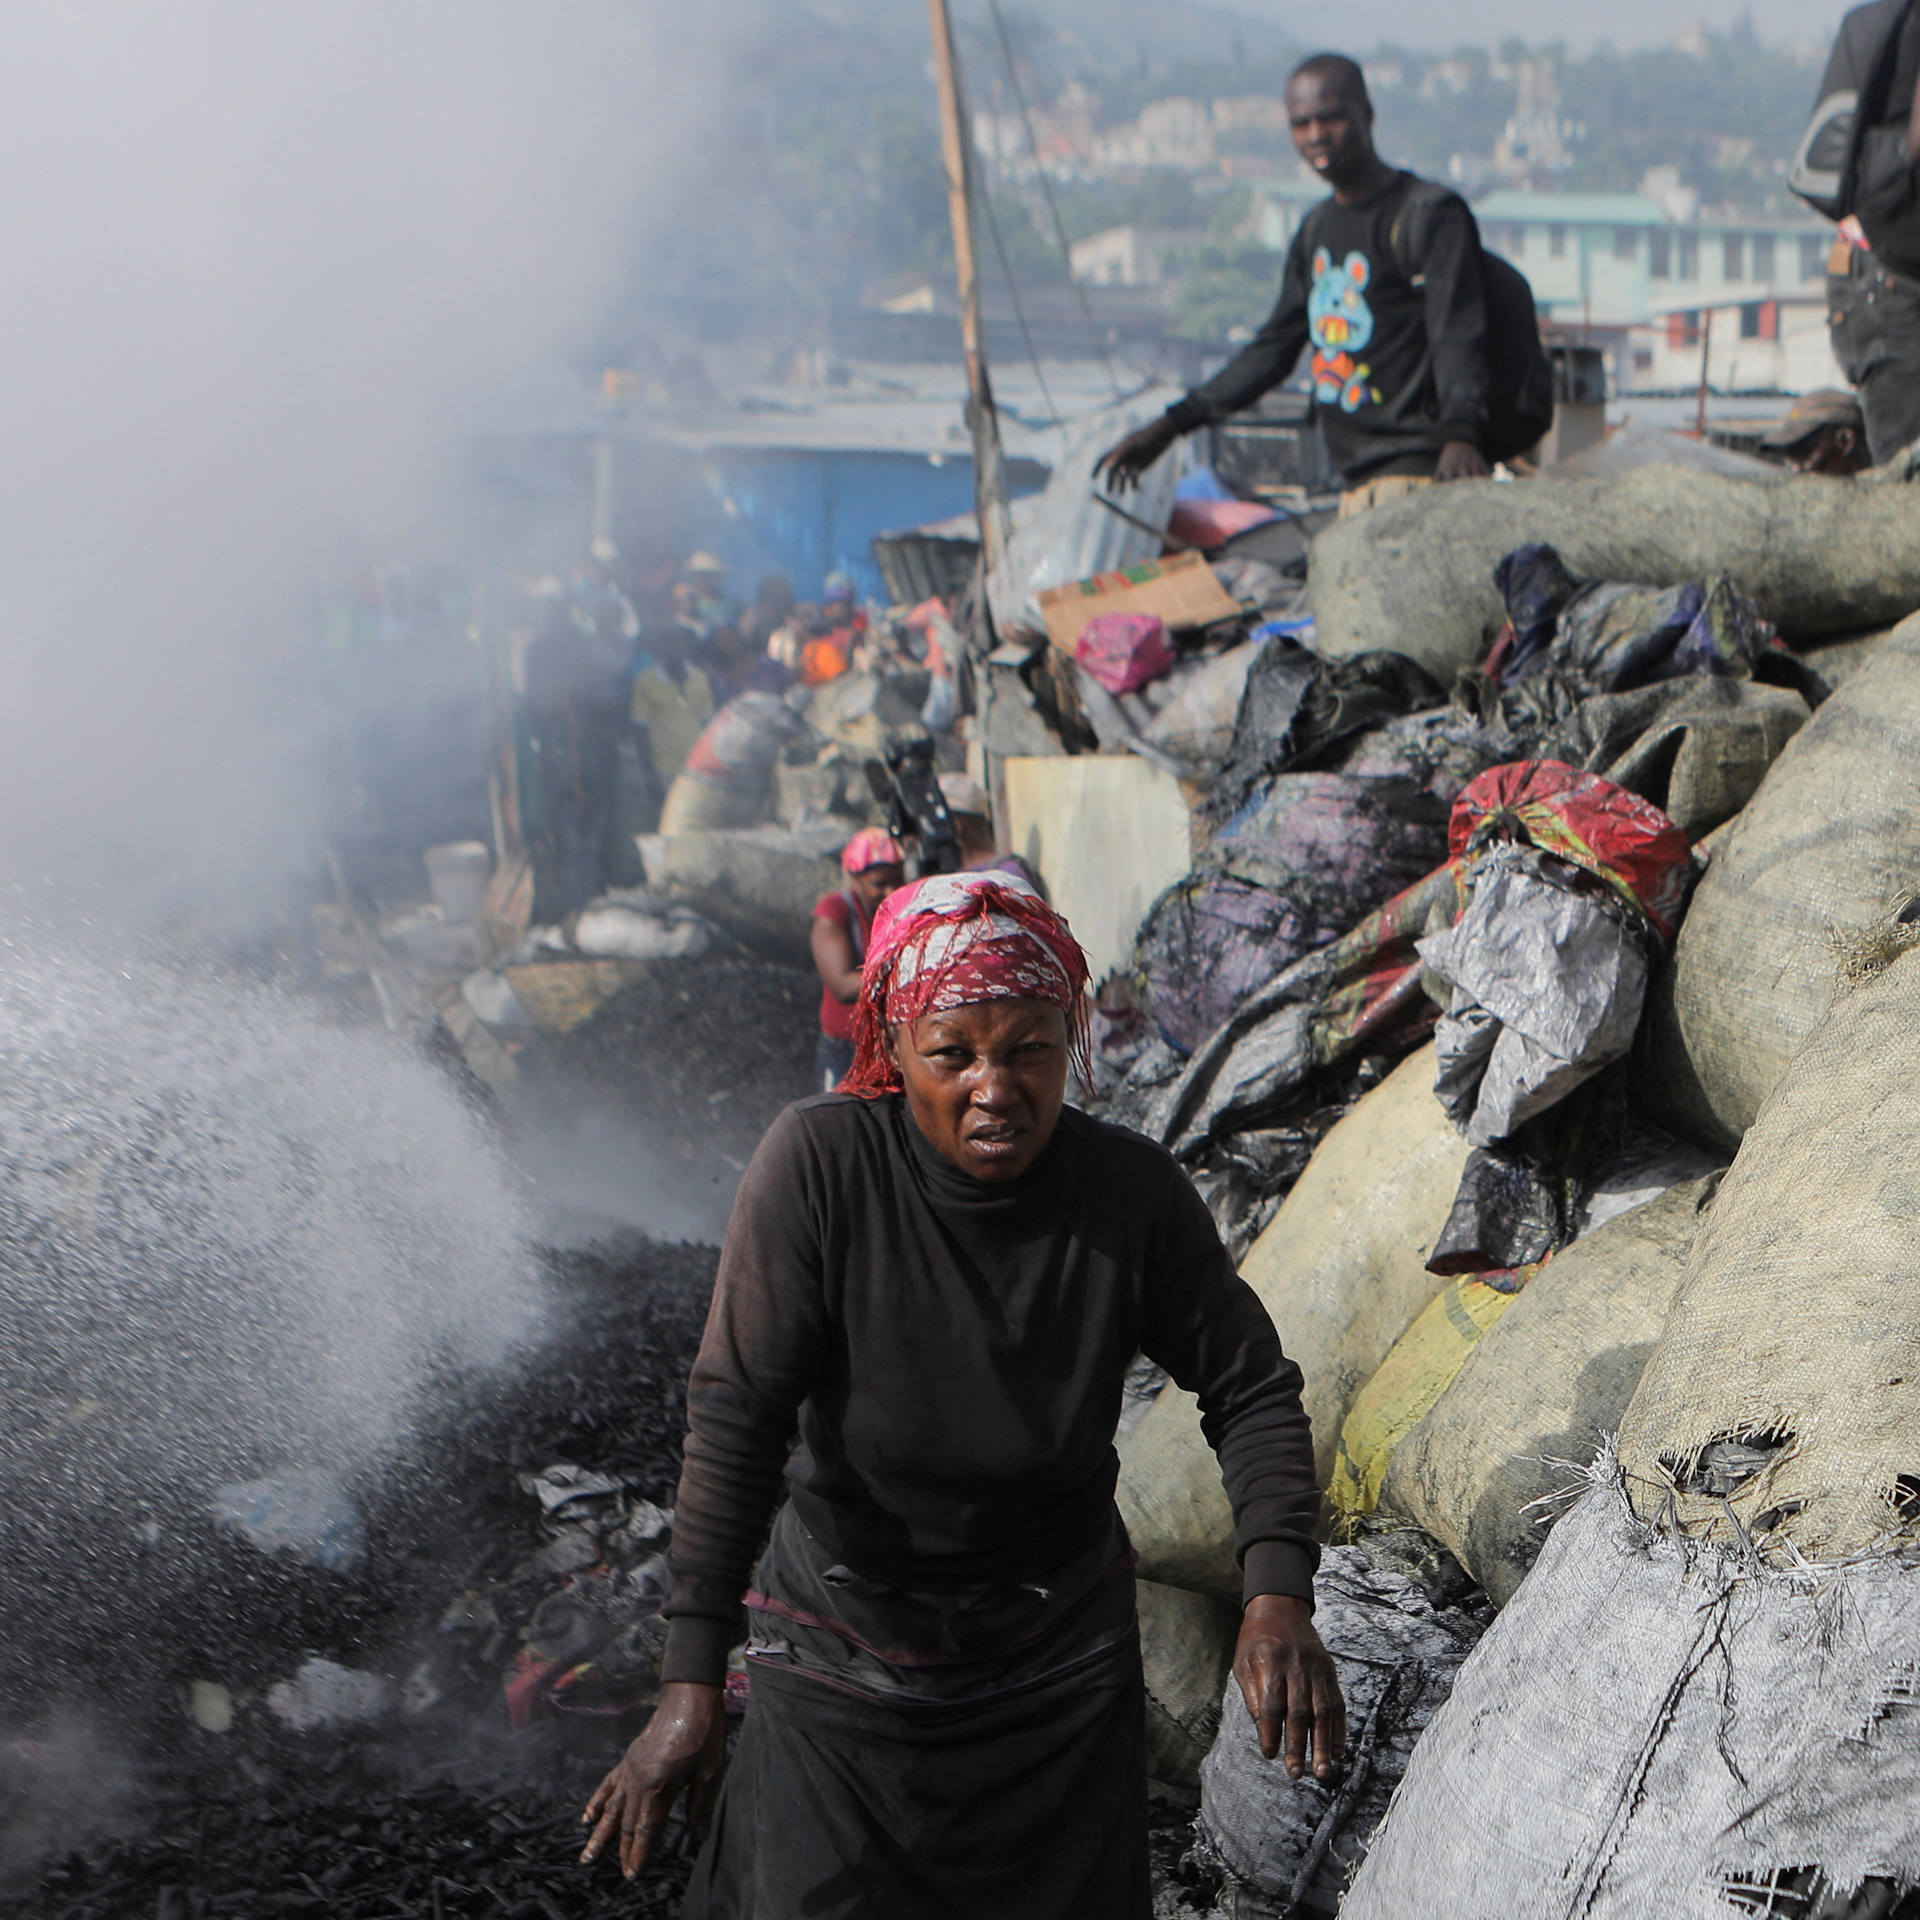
(953, 940)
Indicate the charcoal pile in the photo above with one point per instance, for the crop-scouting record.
(702, 1054)
(299, 1740)
(608, 1392)
(356, 1834)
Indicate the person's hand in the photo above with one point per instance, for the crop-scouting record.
(1461, 460)
(1287, 1680)
(682, 1746)
(1122, 464)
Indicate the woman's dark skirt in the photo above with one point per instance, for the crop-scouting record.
(934, 1757)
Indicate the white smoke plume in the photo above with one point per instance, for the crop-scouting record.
(262, 264)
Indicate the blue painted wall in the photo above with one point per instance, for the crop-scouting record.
(811, 514)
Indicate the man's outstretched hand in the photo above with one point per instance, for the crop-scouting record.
(1461, 460)
(682, 1746)
(1287, 1680)
(1122, 464)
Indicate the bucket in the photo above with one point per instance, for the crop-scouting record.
(458, 872)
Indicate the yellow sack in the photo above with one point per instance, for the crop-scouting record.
(1411, 1378)
(1343, 1271)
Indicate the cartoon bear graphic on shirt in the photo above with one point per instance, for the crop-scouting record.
(1340, 323)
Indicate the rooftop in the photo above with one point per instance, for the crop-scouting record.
(1595, 209)
(1620, 210)
(915, 409)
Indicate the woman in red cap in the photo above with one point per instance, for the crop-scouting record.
(842, 921)
(937, 1277)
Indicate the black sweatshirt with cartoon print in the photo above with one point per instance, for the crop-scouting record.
(1388, 293)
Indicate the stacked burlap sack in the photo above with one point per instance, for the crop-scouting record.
(1817, 557)
(1342, 1269)
(1702, 1695)
(1706, 1696)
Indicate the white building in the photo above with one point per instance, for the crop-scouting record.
(1770, 346)
(1176, 132)
(1062, 132)
(1129, 256)
(1614, 259)
(1621, 261)
(1250, 112)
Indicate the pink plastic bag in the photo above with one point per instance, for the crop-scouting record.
(1123, 651)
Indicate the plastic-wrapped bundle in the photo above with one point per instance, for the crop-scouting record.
(1302, 859)
(729, 773)
(1290, 1845)
(1311, 856)
(1365, 988)
(1651, 1727)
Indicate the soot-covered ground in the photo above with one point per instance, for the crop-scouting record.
(706, 1051)
(116, 1804)
(649, 1111)
(442, 1811)
(128, 1810)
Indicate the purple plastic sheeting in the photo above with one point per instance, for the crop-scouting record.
(1316, 855)
(1300, 862)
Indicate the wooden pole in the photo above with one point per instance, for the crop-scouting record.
(989, 470)
(1706, 351)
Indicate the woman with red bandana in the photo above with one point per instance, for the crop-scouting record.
(937, 1276)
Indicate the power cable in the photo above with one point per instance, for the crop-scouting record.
(1019, 312)
(1046, 193)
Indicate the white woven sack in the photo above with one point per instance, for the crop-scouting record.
(1653, 1728)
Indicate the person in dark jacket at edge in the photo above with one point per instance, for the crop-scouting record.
(937, 1277)
(1390, 298)
(1873, 267)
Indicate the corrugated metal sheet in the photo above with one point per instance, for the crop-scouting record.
(1066, 534)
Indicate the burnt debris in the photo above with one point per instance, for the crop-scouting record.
(437, 1807)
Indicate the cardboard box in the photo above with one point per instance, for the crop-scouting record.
(1181, 589)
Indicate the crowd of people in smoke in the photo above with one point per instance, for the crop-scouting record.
(624, 660)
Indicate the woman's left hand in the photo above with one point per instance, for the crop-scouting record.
(1288, 1682)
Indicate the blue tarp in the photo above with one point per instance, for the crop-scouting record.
(808, 514)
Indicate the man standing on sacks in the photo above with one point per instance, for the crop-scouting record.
(1386, 283)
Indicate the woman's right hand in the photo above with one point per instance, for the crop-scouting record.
(682, 1746)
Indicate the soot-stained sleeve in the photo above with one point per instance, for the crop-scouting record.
(757, 1362)
(1208, 1328)
(1266, 360)
(1456, 314)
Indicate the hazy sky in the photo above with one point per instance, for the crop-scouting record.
(262, 264)
(1627, 23)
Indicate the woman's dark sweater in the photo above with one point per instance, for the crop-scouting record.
(950, 1352)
